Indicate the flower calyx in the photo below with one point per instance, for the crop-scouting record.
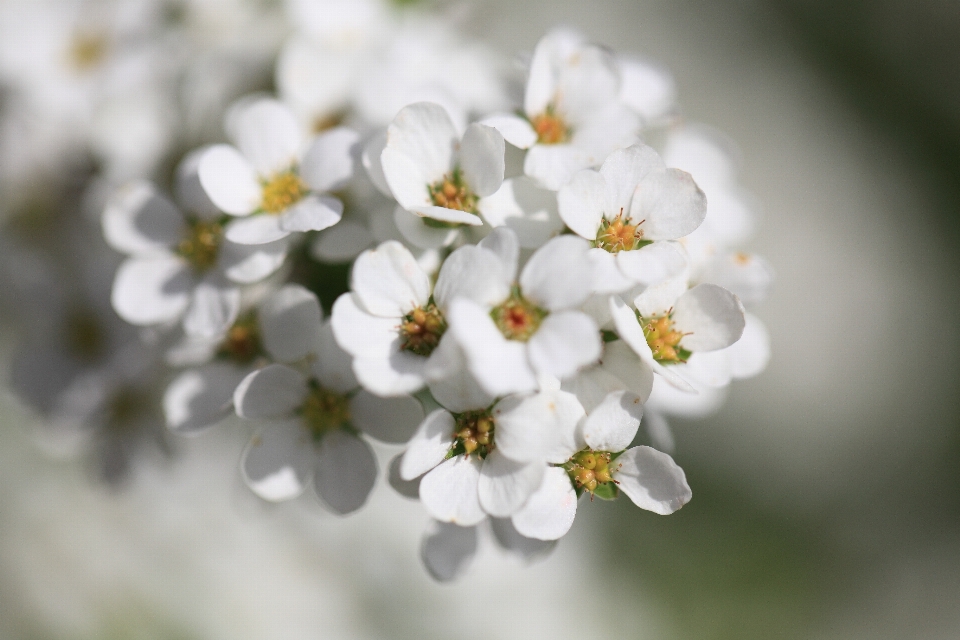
(421, 329)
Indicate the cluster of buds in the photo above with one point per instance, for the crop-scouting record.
(358, 262)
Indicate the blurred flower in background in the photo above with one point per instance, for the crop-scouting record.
(826, 500)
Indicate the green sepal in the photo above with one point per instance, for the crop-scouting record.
(609, 336)
(606, 491)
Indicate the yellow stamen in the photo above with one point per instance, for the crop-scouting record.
(664, 340)
(421, 329)
(451, 192)
(325, 410)
(281, 191)
(550, 128)
(619, 235)
(518, 318)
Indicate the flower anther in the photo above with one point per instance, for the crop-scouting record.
(451, 192)
(87, 50)
(664, 340)
(518, 318)
(242, 342)
(619, 235)
(590, 470)
(201, 244)
(550, 127)
(324, 410)
(421, 329)
(474, 431)
(281, 191)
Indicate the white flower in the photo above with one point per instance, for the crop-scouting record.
(283, 328)
(574, 115)
(648, 89)
(434, 173)
(308, 428)
(524, 327)
(487, 460)
(180, 265)
(628, 210)
(671, 323)
(592, 459)
(268, 181)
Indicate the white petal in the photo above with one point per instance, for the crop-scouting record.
(564, 343)
(449, 380)
(652, 480)
(647, 88)
(407, 181)
(406, 488)
(138, 220)
(313, 213)
(653, 263)
(189, 190)
(670, 203)
(538, 427)
(750, 354)
(453, 216)
(589, 82)
(582, 203)
(506, 244)
(200, 398)
(290, 323)
(328, 162)
(274, 464)
(370, 158)
(620, 360)
(360, 333)
(511, 540)
(150, 291)
(607, 275)
(417, 232)
(391, 420)
(514, 129)
(424, 133)
(656, 300)
(505, 485)
(498, 364)
(229, 180)
(623, 170)
(268, 135)
(711, 315)
(669, 399)
(659, 432)
(342, 242)
(482, 159)
(529, 211)
(333, 367)
(613, 425)
(552, 166)
(389, 282)
(558, 276)
(447, 549)
(475, 273)
(345, 473)
(449, 492)
(549, 513)
(246, 264)
(272, 392)
(259, 229)
(213, 308)
(429, 445)
(747, 276)
(707, 368)
(399, 374)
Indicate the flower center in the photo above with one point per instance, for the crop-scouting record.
(664, 340)
(518, 318)
(590, 470)
(619, 235)
(324, 410)
(451, 192)
(327, 121)
(421, 329)
(281, 191)
(201, 244)
(87, 50)
(550, 127)
(242, 343)
(474, 434)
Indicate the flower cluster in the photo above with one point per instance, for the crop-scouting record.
(389, 250)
